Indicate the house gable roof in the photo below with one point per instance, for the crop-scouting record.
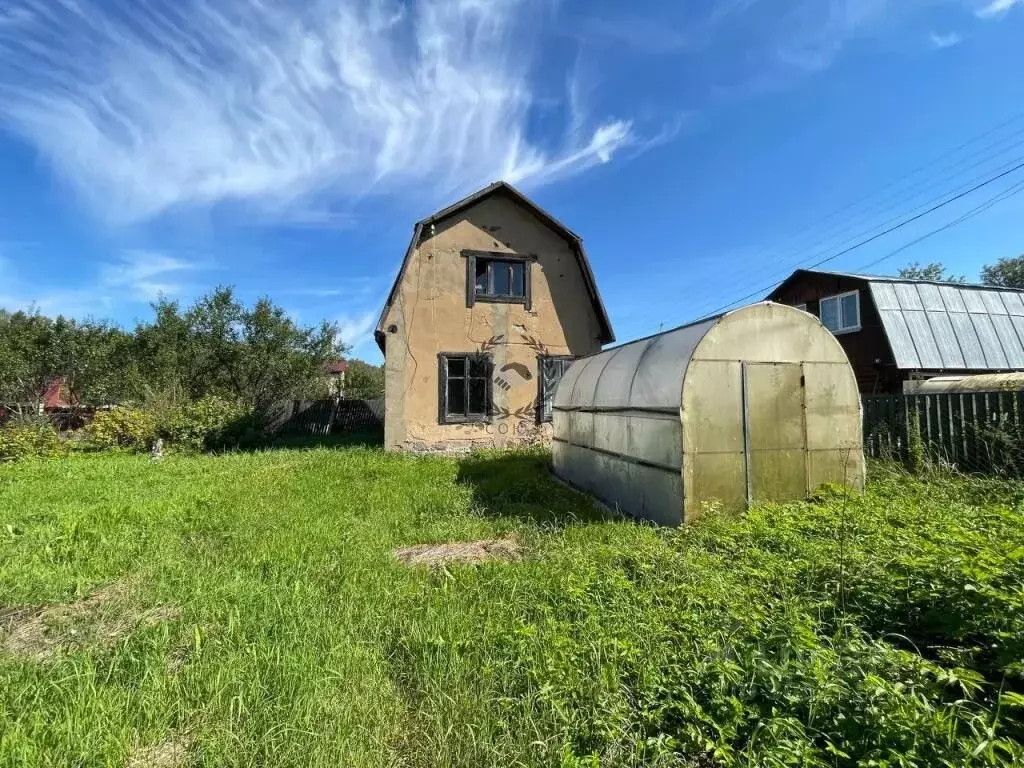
(937, 325)
(502, 187)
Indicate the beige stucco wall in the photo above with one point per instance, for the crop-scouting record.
(430, 316)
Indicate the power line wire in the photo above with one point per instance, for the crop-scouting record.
(879, 235)
(832, 233)
(914, 172)
(1016, 189)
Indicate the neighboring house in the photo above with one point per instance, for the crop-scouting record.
(336, 375)
(492, 300)
(895, 330)
(58, 396)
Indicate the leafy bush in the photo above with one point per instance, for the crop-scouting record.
(878, 630)
(131, 428)
(206, 424)
(22, 441)
(209, 423)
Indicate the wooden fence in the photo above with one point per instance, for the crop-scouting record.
(972, 431)
(327, 417)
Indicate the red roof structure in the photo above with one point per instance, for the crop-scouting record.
(337, 367)
(57, 396)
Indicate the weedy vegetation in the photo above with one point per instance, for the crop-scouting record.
(877, 630)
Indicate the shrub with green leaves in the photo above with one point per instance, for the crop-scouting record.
(23, 441)
(209, 423)
(131, 428)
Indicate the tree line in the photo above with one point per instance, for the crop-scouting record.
(1005, 273)
(217, 346)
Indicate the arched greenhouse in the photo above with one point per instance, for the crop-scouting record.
(758, 404)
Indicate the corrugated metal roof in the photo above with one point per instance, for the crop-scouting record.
(949, 326)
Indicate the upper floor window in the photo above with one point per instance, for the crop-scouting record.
(497, 277)
(841, 313)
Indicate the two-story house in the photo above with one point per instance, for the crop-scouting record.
(896, 330)
(493, 298)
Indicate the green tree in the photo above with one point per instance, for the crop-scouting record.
(933, 271)
(35, 350)
(220, 347)
(364, 381)
(1006, 273)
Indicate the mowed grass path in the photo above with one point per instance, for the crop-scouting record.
(300, 641)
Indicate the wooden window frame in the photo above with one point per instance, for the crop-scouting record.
(540, 386)
(838, 298)
(473, 297)
(443, 417)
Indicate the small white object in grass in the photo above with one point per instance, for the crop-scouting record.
(157, 452)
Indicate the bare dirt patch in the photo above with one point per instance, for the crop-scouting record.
(174, 752)
(440, 555)
(101, 619)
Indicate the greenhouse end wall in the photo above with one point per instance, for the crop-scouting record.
(758, 404)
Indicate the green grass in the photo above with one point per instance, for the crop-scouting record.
(881, 630)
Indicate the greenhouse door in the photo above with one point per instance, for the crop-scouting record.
(774, 431)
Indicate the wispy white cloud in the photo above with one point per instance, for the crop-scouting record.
(352, 288)
(134, 276)
(355, 329)
(812, 34)
(945, 41)
(145, 275)
(996, 8)
(146, 106)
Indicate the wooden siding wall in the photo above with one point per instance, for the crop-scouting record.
(868, 349)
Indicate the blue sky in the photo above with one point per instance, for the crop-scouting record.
(702, 149)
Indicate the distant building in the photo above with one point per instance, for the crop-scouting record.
(58, 396)
(895, 329)
(335, 371)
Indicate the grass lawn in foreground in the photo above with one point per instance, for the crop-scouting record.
(247, 610)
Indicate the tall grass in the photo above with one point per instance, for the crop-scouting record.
(739, 641)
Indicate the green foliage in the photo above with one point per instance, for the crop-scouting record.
(1007, 273)
(854, 631)
(209, 423)
(883, 630)
(218, 347)
(23, 441)
(132, 428)
(35, 350)
(933, 271)
(364, 381)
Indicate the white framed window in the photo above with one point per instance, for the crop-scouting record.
(802, 307)
(841, 313)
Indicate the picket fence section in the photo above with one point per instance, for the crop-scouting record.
(328, 417)
(972, 431)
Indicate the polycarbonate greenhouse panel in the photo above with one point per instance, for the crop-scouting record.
(617, 378)
(670, 426)
(658, 381)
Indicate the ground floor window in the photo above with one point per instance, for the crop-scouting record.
(465, 388)
(552, 368)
